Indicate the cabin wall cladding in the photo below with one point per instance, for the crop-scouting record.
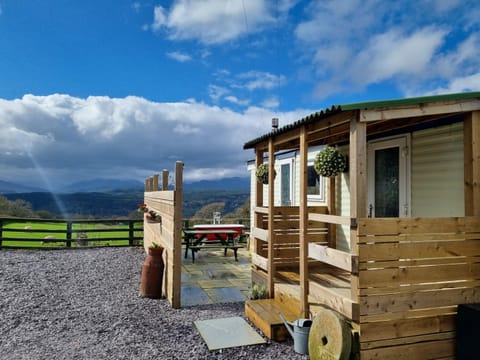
(413, 272)
(437, 171)
(168, 232)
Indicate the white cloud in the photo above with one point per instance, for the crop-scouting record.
(261, 80)
(391, 54)
(462, 84)
(136, 6)
(442, 6)
(211, 21)
(412, 45)
(178, 56)
(216, 92)
(237, 101)
(159, 18)
(73, 138)
(271, 102)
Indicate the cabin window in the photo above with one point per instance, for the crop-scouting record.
(286, 181)
(315, 185)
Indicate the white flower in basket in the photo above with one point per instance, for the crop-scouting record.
(262, 173)
(330, 162)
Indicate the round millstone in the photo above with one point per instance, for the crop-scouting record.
(330, 337)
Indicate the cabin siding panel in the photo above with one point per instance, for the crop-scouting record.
(437, 172)
(343, 207)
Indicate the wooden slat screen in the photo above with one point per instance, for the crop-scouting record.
(413, 272)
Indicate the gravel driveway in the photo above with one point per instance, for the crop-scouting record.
(84, 304)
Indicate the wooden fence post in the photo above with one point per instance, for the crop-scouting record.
(69, 233)
(130, 232)
(164, 180)
(155, 182)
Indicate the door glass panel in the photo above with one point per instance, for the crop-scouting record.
(387, 178)
(285, 184)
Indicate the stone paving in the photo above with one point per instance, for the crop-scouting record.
(215, 278)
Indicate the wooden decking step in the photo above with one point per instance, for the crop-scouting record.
(264, 314)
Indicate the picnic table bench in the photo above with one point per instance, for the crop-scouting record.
(196, 240)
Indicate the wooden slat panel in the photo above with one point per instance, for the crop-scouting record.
(417, 237)
(160, 196)
(260, 234)
(397, 226)
(411, 340)
(419, 274)
(394, 290)
(434, 249)
(378, 304)
(383, 330)
(441, 349)
(410, 314)
(392, 264)
(260, 261)
(344, 305)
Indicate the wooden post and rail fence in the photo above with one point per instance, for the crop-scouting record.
(51, 233)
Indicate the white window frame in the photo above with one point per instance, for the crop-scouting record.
(291, 162)
(321, 184)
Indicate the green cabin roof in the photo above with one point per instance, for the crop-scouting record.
(361, 106)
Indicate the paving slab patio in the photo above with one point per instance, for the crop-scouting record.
(215, 278)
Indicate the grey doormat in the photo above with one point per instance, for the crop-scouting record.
(227, 332)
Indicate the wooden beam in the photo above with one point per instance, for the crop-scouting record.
(258, 203)
(334, 257)
(260, 234)
(331, 197)
(303, 225)
(271, 230)
(330, 219)
(358, 168)
(472, 163)
(423, 109)
(259, 261)
(358, 188)
(177, 241)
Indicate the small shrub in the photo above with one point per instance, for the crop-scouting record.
(258, 292)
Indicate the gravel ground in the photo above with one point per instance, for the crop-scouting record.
(84, 304)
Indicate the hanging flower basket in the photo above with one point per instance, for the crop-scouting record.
(153, 217)
(142, 208)
(262, 174)
(330, 162)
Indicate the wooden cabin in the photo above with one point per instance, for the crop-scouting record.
(392, 245)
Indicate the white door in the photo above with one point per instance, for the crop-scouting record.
(389, 178)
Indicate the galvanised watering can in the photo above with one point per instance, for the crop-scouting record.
(299, 329)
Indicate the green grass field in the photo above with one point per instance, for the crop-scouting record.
(54, 234)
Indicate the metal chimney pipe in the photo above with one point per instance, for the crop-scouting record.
(274, 123)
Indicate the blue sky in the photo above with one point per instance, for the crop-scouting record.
(124, 88)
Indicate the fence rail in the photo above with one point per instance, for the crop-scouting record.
(50, 233)
(26, 233)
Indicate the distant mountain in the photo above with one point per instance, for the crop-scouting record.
(108, 185)
(123, 202)
(102, 185)
(235, 183)
(7, 187)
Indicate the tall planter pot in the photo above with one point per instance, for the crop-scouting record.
(152, 274)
